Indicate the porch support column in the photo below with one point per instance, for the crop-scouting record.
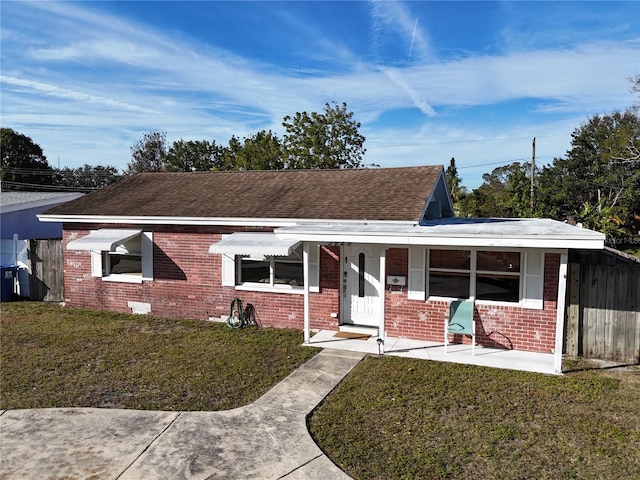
(305, 266)
(382, 333)
(560, 312)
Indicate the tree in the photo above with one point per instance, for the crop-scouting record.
(87, 177)
(519, 191)
(456, 190)
(147, 155)
(323, 140)
(261, 151)
(193, 156)
(636, 88)
(504, 193)
(600, 174)
(24, 165)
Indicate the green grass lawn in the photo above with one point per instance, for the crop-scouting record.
(391, 418)
(395, 418)
(58, 357)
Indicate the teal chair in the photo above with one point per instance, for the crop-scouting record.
(461, 322)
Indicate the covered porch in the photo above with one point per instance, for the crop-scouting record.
(425, 350)
(364, 250)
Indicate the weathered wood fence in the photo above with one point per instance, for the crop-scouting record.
(46, 274)
(603, 314)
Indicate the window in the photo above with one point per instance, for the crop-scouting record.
(482, 274)
(270, 272)
(125, 260)
(130, 261)
(450, 273)
(361, 271)
(498, 276)
(122, 264)
(278, 272)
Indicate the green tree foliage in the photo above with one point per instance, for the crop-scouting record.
(604, 220)
(148, 154)
(318, 140)
(504, 193)
(261, 151)
(636, 88)
(193, 156)
(323, 140)
(599, 176)
(454, 184)
(24, 165)
(87, 177)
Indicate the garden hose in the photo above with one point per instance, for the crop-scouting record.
(236, 319)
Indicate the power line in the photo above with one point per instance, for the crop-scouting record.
(43, 172)
(503, 162)
(55, 188)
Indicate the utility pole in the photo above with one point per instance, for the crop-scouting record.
(533, 171)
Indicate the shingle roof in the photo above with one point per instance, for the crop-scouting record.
(18, 198)
(358, 194)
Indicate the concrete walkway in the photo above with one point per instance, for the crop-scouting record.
(267, 439)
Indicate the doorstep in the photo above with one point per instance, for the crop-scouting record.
(363, 329)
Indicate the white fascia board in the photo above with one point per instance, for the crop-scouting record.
(470, 241)
(206, 221)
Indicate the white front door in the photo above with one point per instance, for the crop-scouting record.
(361, 285)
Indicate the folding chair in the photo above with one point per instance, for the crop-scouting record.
(461, 322)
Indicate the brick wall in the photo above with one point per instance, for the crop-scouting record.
(187, 279)
(505, 326)
(187, 284)
(327, 301)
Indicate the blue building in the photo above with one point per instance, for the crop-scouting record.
(19, 223)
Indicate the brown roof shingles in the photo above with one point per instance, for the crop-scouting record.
(359, 194)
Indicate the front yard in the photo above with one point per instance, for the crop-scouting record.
(391, 418)
(394, 418)
(57, 357)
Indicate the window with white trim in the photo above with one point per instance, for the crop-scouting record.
(131, 261)
(272, 271)
(483, 274)
(450, 273)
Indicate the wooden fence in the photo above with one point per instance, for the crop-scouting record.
(603, 314)
(46, 274)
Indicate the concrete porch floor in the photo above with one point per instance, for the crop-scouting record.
(403, 347)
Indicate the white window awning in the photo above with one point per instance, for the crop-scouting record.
(266, 244)
(105, 240)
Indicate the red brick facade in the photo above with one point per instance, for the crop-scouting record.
(187, 284)
(505, 326)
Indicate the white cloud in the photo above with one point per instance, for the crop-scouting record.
(102, 81)
(390, 20)
(29, 86)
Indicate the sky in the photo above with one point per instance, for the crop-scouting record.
(427, 80)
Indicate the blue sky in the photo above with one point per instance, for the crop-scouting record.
(428, 80)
